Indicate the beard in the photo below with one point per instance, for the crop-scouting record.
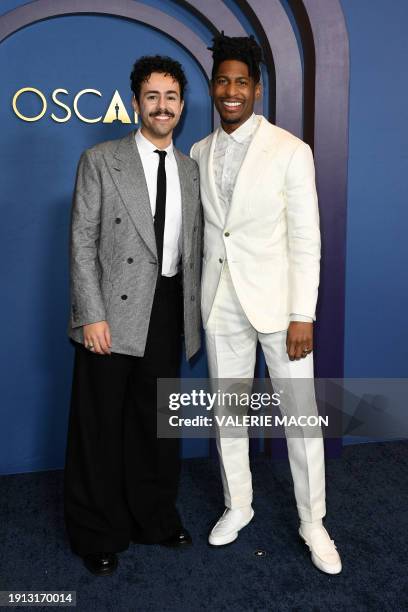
(162, 130)
(230, 120)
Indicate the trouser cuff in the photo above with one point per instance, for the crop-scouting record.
(314, 514)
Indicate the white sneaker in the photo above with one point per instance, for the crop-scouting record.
(323, 550)
(226, 529)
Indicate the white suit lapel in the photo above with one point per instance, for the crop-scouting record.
(210, 182)
(252, 169)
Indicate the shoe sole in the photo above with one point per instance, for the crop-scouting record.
(330, 571)
(234, 535)
(107, 573)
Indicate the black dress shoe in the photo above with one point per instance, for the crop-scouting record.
(101, 564)
(178, 540)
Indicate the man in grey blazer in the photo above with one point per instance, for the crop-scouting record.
(135, 270)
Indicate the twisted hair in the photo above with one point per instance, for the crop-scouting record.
(241, 48)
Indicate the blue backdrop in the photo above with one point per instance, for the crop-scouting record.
(376, 334)
(38, 162)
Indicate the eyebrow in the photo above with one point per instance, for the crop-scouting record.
(225, 76)
(169, 91)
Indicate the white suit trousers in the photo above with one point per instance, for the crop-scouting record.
(231, 343)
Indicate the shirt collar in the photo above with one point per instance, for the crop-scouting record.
(244, 131)
(147, 148)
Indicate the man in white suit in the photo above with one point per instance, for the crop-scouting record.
(260, 280)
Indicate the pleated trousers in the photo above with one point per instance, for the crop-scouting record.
(121, 480)
(231, 343)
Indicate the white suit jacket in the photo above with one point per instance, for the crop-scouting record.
(270, 234)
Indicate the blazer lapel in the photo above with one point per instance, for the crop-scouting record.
(252, 168)
(188, 210)
(128, 175)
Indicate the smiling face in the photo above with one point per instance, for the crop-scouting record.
(159, 107)
(234, 93)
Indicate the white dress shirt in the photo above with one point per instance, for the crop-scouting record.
(229, 153)
(172, 227)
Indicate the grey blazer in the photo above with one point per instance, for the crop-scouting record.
(113, 255)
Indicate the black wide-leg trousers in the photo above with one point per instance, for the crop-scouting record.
(121, 480)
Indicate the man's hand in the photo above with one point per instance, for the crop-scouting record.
(97, 337)
(299, 339)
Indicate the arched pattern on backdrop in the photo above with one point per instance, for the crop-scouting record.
(307, 94)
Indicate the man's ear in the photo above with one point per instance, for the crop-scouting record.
(182, 106)
(258, 91)
(135, 105)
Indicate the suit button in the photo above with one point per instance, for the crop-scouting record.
(191, 266)
(130, 260)
(220, 260)
(227, 234)
(118, 220)
(192, 298)
(195, 228)
(123, 297)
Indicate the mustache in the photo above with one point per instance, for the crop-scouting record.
(163, 111)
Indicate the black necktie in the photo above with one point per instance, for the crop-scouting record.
(160, 214)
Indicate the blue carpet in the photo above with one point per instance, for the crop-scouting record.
(367, 501)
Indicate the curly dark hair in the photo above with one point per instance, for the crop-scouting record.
(144, 66)
(242, 48)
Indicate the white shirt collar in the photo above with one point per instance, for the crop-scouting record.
(244, 131)
(146, 147)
